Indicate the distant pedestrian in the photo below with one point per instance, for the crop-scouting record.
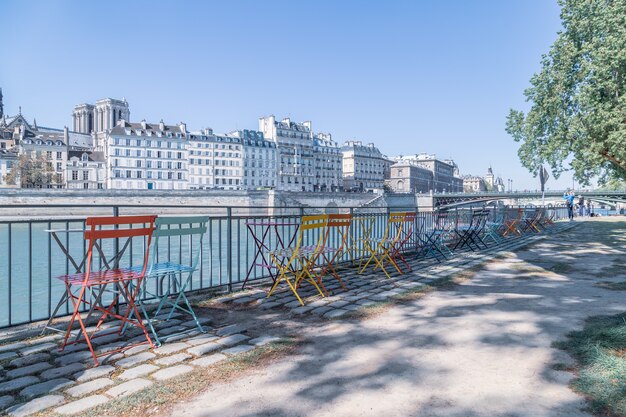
(569, 196)
(581, 205)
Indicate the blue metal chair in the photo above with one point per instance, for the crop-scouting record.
(168, 281)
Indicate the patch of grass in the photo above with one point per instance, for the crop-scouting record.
(163, 396)
(600, 348)
(614, 286)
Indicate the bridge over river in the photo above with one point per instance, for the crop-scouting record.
(611, 199)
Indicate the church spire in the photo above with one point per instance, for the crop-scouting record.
(1, 105)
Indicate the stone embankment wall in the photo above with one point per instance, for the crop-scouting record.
(80, 203)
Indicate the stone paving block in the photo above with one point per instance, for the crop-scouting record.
(81, 405)
(172, 372)
(238, 349)
(129, 387)
(301, 310)
(338, 304)
(69, 349)
(5, 401)
(205, 348)
(192, 323)
(89, 387)
(44, 347)
(379, 297)
(365, 303)
(5, 356)
(353, 307)
(109, 338)
(201, 339)
(137, 349)
(174, 359)
(12, 347)
(209, 360)
(293, 304)
(17, 383)
(264, 340)
(112, 346)
(73, 357)
(35, 405)
(232, 329)
(131, 361)
(28, 370)
(318, 303)
(170, 348)
(232, 339)
(270, 304)
(45, 339)
(335, 314)
(29, 360)
(177, 337)
(45, 387)
(111, 358)
(172, 330)
(62, 371)
(321, 310)
(164, 316)
(243, 300)
(138, 371)
(93, 373)
(169, 323)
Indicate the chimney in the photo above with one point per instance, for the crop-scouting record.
(143, 124)
(183, 127)
(161, 125)
(66, 135)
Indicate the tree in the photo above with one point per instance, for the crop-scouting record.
(31, 172)
(578, 99)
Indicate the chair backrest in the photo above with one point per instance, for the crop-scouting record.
(189, 226)
(99, 229)
(338, 230)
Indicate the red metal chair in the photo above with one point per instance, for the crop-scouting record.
(87, 288)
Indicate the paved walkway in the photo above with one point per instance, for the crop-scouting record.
(481, 349)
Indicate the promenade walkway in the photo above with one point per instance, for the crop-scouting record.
(482, 348)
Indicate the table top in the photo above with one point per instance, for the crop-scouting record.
(271, 223)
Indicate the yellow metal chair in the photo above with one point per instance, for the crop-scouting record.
(334, 246)
(381, 250)
(296, 264)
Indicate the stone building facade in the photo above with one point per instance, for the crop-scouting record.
(364, 166)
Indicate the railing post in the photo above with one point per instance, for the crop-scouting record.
(229, 247)
(116, 249)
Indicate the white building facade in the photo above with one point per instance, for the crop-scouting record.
(144, 156)
(215, 161)
(260, 160)
(364, 166)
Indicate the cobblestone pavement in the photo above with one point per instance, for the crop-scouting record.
(35, 376)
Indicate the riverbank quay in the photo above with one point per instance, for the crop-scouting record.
(36, 377)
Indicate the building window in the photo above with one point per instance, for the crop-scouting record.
(75, 175)
(85, 175)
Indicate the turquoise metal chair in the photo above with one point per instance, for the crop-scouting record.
(167, 282)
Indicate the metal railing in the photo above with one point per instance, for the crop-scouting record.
(30, 258)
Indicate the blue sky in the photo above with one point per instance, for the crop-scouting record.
(410, 76)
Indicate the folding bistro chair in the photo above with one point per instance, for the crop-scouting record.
(494, 226)
(122, 283)
(299, 261)
(512, 224)
(167, 281)
(337, 232)
(381, 250)
(469, 235)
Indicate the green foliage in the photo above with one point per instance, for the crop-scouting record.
(601, 350)
(578, 99)
(31, 171)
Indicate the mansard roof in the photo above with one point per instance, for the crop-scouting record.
(142, 127)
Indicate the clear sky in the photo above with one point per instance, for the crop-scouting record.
(410, 76)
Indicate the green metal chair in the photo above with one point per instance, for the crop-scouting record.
(168, 281)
